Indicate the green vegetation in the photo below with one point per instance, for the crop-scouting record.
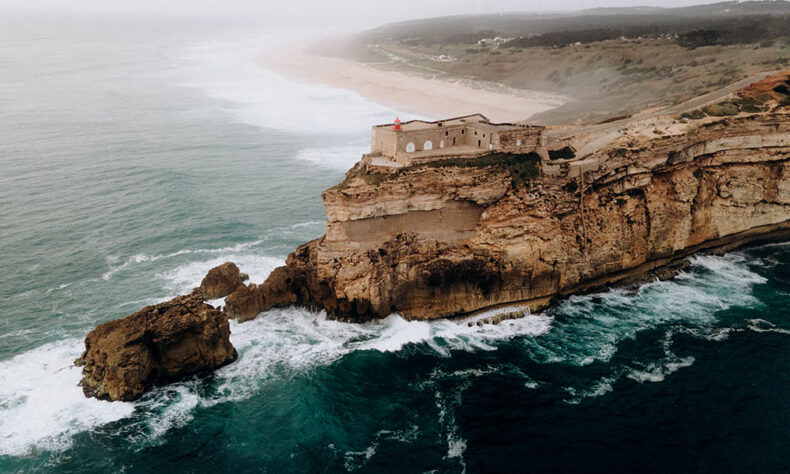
(693, 115)
(748, 105)
(722, 109)
(693, 27)
(522, 168)
(610, 63)
(562, 154)
(743, 30)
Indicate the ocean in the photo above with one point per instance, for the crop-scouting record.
(136, 153)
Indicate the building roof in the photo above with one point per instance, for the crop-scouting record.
(418, 124)
(477, 120)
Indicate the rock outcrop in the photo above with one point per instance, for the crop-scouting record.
(158, 344)
(452, 237)
(222, 281)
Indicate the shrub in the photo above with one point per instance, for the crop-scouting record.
(562, 154)
(723, 109)
(522, 167)
(695, 114)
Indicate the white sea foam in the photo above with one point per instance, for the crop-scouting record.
(447, 403)
(761, 325)
(284, 342)
(599, 388)
(589, 329)
(183, 278)
(357, 459)
(337, 157)
(113, 260)
(229, 71)
(41, 406)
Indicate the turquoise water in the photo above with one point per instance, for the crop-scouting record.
(137, 153)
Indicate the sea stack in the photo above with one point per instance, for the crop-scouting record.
(158, 344)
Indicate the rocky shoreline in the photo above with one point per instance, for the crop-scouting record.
(471, 235)
(628, 209)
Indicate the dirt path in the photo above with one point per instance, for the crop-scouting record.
(600, 135)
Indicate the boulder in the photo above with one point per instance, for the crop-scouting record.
(248, 301)
(245, 303)
(222, 281)
(156, 345)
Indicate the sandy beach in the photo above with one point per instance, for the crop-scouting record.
(416, 94)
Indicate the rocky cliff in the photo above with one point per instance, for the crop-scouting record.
(157, 344)
(455, 236)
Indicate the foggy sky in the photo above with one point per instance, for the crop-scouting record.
(362, 12)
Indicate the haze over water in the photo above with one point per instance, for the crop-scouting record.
(138, 154)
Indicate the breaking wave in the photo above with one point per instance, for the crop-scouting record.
(581, 331)
(41, 406)
(230, 71)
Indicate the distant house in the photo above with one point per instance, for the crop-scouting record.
(471, 135)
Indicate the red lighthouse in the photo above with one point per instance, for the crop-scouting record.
(396, 125)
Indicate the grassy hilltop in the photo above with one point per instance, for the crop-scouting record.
(610, 62)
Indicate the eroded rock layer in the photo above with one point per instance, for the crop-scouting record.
(157, 344)
(479, 234)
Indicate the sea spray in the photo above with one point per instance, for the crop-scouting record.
(41, 406)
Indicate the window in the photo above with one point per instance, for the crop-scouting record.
(410, 148)
(453, 140)
(475, 132)
(441, 144)
(518, 142)
(462, 131)
(428, 145)
(446, 133)
(478, 143)
(484, 135)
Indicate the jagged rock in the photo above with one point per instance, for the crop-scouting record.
(222, 280)
(244, 304)
(474, 241)
(248, 301)
(158, 344)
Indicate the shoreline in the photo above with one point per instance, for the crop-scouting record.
(414, 94)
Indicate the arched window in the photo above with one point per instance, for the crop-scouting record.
(441, 144)
(410, 148)
(428, 145)
(518, 142)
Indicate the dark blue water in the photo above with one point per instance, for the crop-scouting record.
(138, 154)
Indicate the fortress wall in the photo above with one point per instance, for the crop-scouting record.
(530, 140)
(384, 140)
(473, 134)
(434, 135)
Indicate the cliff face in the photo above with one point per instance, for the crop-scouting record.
(453, 237)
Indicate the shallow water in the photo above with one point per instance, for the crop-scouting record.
(138, 154)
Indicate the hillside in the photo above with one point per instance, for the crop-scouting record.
(609, 62)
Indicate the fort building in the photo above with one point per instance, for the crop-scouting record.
(418, 141)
